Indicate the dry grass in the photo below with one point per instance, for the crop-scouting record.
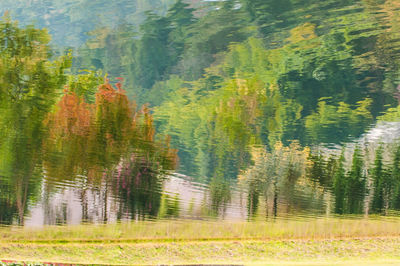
(318, 252)
(302, 242)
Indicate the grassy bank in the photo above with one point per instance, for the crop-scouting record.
(318, 241)
(319, 252)
(166, 231)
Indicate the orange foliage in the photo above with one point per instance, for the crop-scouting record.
(72, 117)
(100, 134)
(147, 127)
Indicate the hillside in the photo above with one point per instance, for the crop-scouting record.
(69, 21)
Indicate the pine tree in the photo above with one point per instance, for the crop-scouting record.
(396, 179)
(180, 17)
(355, 190)
(316, 173)
(378, 186)
(330, 169)
(151, 56)
(339, 186)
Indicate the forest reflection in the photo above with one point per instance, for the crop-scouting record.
(107, 145)
(247, 109)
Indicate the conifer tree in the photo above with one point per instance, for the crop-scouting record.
(396, 179)
(180, 17)
(378, 176)
(316, 173)
(330, 169)
(151, 56)
(339, 186)
(355, 190)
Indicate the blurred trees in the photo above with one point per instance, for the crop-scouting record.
(287, 174)
(29, 86)
(94, 129)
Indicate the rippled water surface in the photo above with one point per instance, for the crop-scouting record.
(261, 109)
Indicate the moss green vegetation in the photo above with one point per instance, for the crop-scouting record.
(316, 241)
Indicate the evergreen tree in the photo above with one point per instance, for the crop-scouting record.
(180, 17)
(152, 57)
(339, 186)
(162, 44)
(396, 179)
(316, 173)
(330, 169)
(378, 176)
(355, 190)
(321, 171)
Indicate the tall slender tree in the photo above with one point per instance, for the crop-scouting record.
(355, 190)
(339, 185)
(396, 179)
(378, 176)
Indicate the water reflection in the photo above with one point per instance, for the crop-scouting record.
(107, 148)
(272, 111)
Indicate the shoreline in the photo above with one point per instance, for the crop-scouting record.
(324, 241)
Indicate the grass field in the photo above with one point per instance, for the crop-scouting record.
(281, 242)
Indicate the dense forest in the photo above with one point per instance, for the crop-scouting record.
(275, 102)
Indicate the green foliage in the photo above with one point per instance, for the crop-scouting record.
(316, 172)
(379, 176)
(307, 89)
(151, 57)
(169, 206)
(142, 61)
(348, 181)
(316, 74)
(356, 181)
(396, 179)
(390, 115)
(277, 176)
(339, 186)
(341, 119)
(85, 85)
(94, 130)
(30, 84)
(223, 78)
(26, 72)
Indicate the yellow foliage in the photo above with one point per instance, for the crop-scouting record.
(302, 33)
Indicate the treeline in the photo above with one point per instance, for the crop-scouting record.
(292, 180)
(237, 73)
(365, 184)
(69, 21)
(183, 42)
(224, 75)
